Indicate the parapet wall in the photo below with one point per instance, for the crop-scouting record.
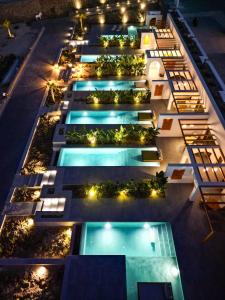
(25, 10)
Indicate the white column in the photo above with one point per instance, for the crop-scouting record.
(170, 102)
(195, 194)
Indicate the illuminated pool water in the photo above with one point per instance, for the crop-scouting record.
(104, 85)
(103, 157)
(148, 247)
(105, 117)
(93, 58)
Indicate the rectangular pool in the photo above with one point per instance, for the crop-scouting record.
(148, 247)
(105, 85)
(105, 117)
(93, 58)
(104, 157)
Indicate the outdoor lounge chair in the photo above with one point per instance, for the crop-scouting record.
(150, 156)
(145, 116)
(140, 84)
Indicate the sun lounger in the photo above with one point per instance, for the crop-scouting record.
(140, 84)
(150, 156)
(145, 116)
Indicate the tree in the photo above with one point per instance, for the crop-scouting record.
(7, 24)
(52, 88)
(81, 17)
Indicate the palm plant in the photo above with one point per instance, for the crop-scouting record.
(7, 25)
(81, 17)
(53, 88)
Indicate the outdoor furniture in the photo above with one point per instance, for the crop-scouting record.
(140, 84)
(145, 116)
(155, 291)
(150, 156)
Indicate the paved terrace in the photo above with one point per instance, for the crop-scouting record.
(20, 113)
(201, 264)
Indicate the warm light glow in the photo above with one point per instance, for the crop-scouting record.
(92, 140)
(142, 138)
(77, 4)
(122, 9)
(92, 192)
(30, 222)
(96, 100)
(105, 43)
(125, 19)
(41, 272)
(142, 6)
(108, 226)
(119, 72)
(102, 19)
(69, 232)
(154, 193)
(123, 195)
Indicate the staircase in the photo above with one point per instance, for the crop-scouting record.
(167, 43)
(177, 64)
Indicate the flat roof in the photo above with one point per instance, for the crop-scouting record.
(96, 277)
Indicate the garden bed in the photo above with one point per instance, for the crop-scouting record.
(29, 241)
(125, 135)
(119, 97)
(124, 65)
(152, 188)
(40, 152)
(119, 41)
(26, 194)
(67, 57)
(58, 97)
(31, 282)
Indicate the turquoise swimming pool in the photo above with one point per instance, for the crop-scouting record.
(104, 85)
(104, 157)
(92, 58)
(105, 117)
(148, 247)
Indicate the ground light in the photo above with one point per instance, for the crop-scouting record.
(30, 222)
(69, 232)
(92, 192)
(41, 272)
(107, 226)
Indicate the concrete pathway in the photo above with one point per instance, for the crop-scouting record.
(19, 114)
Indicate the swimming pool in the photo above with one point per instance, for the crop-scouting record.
(104, 157)
(105, 117)
(104, 85)
(148, 247)
(93, 58)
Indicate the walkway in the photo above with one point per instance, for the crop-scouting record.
(19, 115)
